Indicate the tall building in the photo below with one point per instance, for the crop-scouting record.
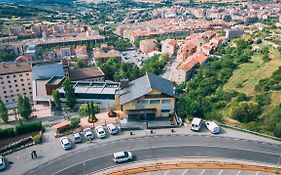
(15, 79)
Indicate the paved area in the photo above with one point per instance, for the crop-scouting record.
(205, 172)
(133, 56)
(51, 148)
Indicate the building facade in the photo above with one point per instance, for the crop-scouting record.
(15, 79)
(146, 98)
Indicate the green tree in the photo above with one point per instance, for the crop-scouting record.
(24, 107)
(56, 99)
(69, 93)
(3, 112)
(246, 111)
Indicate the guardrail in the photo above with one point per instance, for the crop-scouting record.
(189, 165)
(251, 132)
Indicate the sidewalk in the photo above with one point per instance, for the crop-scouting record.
(51, 148)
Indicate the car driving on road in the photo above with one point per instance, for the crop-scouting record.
(65, 143)
(100, 132)
(88, 134)
(123, 156)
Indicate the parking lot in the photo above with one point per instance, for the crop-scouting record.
(133, 56)
(205, 172)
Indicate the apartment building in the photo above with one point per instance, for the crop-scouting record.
(148, 45)
(15, 79)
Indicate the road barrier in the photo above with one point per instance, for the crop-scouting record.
(251, 132)
(189, 165)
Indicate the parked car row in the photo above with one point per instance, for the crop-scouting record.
(197, 124)
(89, 135)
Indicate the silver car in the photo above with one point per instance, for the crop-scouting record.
(123, 156)
(3, 164)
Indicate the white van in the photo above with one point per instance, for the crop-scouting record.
(213, 127)
(196, 124)
(112, 129)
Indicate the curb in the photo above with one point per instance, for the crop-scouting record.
(148, 167)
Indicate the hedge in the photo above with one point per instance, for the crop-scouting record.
(28, 127)
(7, 133)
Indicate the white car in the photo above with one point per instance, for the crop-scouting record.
(196, 124)
(112, 129)
(100, 132)
(3, 164)
(123, 156)
(65, 143)
(88, 134)
(213, 127)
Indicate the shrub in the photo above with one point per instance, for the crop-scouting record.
(242, 97)
(263, 99)
(74, 122)
(37, 138)
(246, 111)
(7, 133)
(28, 127)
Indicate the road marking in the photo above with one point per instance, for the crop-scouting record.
(220, 172)
(202, 172)
(184, 172)
(238, 172)
(166, 172)
(257, 173)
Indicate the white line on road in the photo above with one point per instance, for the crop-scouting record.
(202, 172)
(220, 172)
(166, 172)
(257, 173)
(184, 172)
(238, 172)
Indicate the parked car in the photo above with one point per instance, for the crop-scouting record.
(123, 156)
(77, 137)
(3, 164)
(65, 143)
(112, 129)
(196, 124)
(213, 127)
(88, 134)
(100, 132)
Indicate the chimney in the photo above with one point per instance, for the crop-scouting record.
(124, 83)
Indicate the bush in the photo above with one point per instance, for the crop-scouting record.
(28, 127)
(242, 97)
(7, 133)
(246, 112)
(263, 99)
(37, 138)
(74, 122)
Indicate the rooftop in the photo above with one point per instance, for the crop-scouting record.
(85, 73)
(12, 68)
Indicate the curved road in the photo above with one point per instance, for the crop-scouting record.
(98, 157)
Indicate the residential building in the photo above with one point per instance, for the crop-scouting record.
(169, 47)
(105, 52)
(15, 79)
(146, 98)
(233, 33)
(148, 45)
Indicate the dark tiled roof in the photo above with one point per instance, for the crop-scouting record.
(85, 73)
(143, 85)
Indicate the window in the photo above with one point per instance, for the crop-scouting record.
(11, 91)
(14, 75)
(165, 110)
(154, 102)
(23, 89)
(28, 84)
(27, 74)
(9, 81)
(17, 90)
(2, 82)
(24, 93)
(5, 92)
(10, 86)
(133, 103)
(3, 87)
(29, 88)
(7, 76)
(166, 101)
(145, 102)
(16, 85)
(15, 80)
(22, 84)
(21, 79)
(20, 75)
(7, 101)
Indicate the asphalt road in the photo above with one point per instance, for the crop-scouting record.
(99, 157)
